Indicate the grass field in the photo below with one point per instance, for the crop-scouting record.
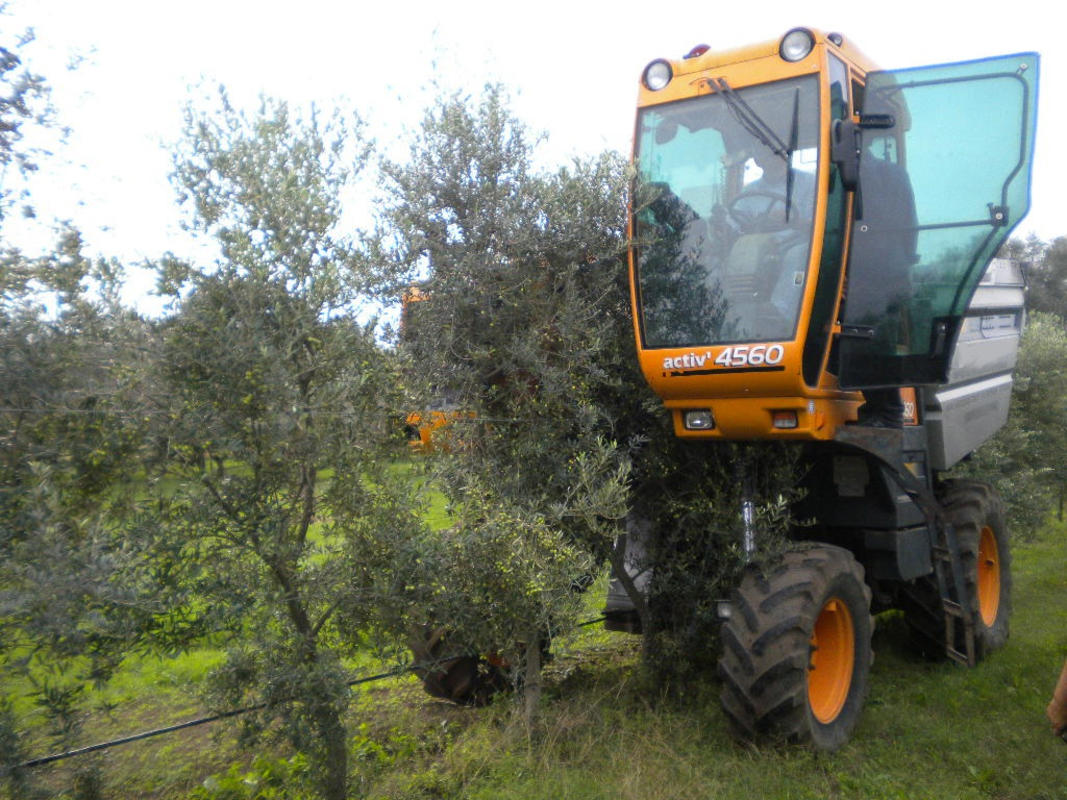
(930, 730)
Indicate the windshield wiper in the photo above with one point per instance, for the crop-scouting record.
(789, 173)
(750, 120)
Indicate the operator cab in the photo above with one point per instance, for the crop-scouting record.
(805, 227)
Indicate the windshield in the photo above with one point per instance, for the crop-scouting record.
(725, 203)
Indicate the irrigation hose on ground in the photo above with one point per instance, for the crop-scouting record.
(81, 751)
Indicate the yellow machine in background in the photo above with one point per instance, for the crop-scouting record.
(810, 237)
(430, 428)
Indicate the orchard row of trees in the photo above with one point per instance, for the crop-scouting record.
(229, 472)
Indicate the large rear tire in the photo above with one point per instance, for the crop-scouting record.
(797, 649)
(975, 511)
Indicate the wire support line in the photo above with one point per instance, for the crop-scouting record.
(136, 737)
(80, 751)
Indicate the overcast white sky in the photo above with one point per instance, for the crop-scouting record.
(572, 66)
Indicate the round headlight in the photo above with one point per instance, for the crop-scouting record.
(796, 44)
(657, 75)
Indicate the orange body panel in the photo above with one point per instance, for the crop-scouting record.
(752, 417)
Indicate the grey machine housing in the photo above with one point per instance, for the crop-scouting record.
(972, 405)
(859, 502)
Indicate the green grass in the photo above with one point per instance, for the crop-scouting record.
(147, 692)
(415, 467)
(930, 730)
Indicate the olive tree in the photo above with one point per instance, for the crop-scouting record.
(519, 269)
(278, 513)
(523, 327)
(69, 445)
(1046, 264)
(1026, 458)
(65, 439)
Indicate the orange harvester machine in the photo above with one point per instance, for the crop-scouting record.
(813, 259)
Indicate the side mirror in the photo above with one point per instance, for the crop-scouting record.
(845, 152)
(846, 144)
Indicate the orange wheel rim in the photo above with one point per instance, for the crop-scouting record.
(988, 577)
(833, 655)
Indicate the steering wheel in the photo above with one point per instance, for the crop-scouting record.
(759, 219)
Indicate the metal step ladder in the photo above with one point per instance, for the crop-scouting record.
(888, 445)
(950, 584)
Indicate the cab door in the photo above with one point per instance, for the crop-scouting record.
(943, 180)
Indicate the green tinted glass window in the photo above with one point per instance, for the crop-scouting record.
(940, 191)
(726, 205)
(823, 307)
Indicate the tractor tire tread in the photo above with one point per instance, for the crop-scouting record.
(969, 506)
(767, 646)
